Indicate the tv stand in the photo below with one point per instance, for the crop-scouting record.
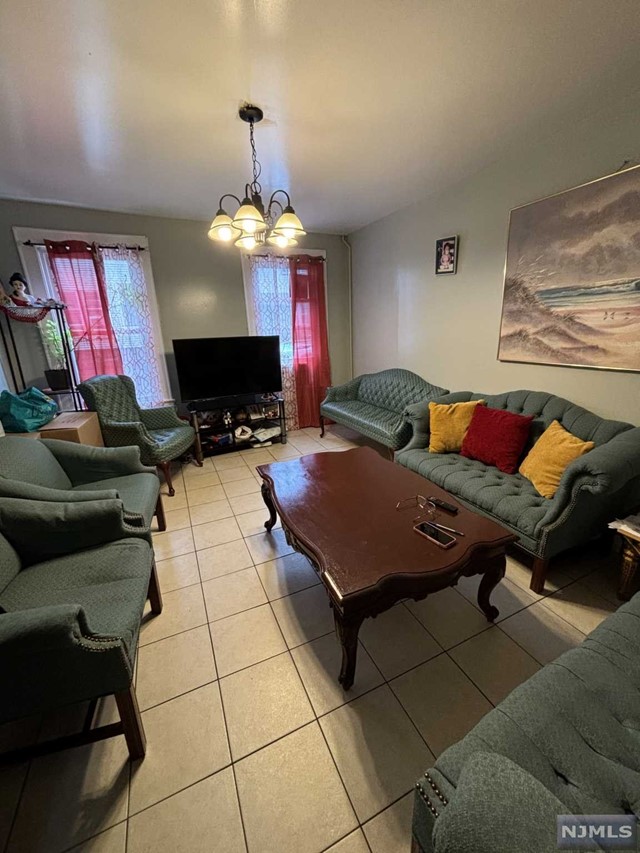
(237, 422)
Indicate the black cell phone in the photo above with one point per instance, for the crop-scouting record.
(444, 505)
(439, 537)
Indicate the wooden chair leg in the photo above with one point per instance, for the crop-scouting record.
(165, 467)
(538, 574)
(321, 426)
(162, 520)
(154, 595)
(131, 723)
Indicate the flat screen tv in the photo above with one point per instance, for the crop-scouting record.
(223, 367)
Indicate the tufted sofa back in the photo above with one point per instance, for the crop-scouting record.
(395, 389)
(546, 408)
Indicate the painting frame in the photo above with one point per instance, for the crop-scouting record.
(589, 297)
(452, 266)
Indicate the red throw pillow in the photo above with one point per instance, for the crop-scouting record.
(496, 437)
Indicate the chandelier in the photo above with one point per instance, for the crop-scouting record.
(253, 224)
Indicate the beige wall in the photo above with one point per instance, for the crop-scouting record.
(198, 283)
(446, 327)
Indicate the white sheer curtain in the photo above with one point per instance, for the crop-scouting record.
(268, 296)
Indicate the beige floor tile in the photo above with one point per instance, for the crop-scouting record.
(11, 782)
(442, 702)
(318, 663)
(580, 606)
(268, 546)
(172, 543)
(284, 451)
(170, 667)
(178, 572)
(263, 703)
(304, 616)
(390, 831)
(354, 843)
(177, 519)
(206, 495)
(177, 501)
(246, 638)
(204, 818)
(303, 807)
(186, 742)
(216, 533)
(19, 733)
(604, 582)
(72, 795)
(449, 617)
(224, 559)
(197, 484)
(252, 502)
(303, 443)
(241, 487)
(225, 463)
(233, 593)
(287, 575)
(257, 457)
(232, 475)
(195, 471)
(377, 750)
(541, 633)
(508, 596)
(520, 574)
(183, 609)
(113, 840)
(494, 663)
(397, 641)
(252, 523)
(203, 513)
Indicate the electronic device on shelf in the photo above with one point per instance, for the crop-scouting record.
(266, 433)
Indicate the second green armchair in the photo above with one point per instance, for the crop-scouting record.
(159, 433)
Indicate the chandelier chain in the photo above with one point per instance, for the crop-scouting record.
(257, 168)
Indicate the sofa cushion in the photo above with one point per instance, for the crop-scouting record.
(379, 424)
(395, 389)
(448, 425)
(30, 461)
(109, 582)
(497, 437)
(138, 492)
(9, 563)
(547, 460)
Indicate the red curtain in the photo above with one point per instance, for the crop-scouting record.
(79, 276)
(311, 365)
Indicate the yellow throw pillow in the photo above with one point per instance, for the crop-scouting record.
(545, 463)
(448, 423)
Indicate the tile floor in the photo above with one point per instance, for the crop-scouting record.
(252, 744)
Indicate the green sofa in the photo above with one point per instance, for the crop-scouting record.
(375, 404)
(564, 742)
(596, 488)
(74, 578)
(51, 470)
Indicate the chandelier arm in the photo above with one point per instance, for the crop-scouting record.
(229, 195)
(273, 200)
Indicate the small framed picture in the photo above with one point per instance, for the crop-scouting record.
(447, 255)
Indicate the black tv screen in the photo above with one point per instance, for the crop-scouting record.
(222, 367)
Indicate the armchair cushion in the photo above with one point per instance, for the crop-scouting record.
(84, 464)
(31, 462)
(29, 492)
(138, 492)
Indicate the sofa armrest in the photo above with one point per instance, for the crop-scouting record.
(417, 414)
(164, 417)
(607, 468)
(42, 530)
(30, 492)
(83, 464)
(340, 393)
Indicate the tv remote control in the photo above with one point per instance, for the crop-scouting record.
(444, 505)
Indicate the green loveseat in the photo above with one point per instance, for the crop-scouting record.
(375, 404)
(564, 742)
(74, 578)
(51, 470)
(596, 488)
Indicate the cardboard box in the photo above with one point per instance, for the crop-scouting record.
(81, 427)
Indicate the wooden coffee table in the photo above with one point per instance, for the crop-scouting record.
(339, 510)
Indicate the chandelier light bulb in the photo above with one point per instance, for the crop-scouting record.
(246, 241)
(225, 233)
(222, 228)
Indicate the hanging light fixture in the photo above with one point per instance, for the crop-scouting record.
(253, 225)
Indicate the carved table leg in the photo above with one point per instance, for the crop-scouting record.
(628, 567)
(266, 497)
(490, 580)
(347, 630)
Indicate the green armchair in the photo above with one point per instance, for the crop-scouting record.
(51, 470)
(74, 578)
(159, 433)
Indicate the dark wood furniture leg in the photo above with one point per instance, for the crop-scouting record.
(490, 580)
(266, 497)
(538, 574)
(321, 426)
(131, 723)
(162, 521)
(165, 467)
(347, 630)
(154, 595)
(629, 560)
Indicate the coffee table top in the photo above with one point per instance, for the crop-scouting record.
(341, 509)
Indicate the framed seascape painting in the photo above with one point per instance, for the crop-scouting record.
(447, 255)
(572, 277)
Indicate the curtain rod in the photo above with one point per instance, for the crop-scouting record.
(112, 246)
(288, 257)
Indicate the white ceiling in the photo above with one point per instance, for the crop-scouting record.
(131, 104)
